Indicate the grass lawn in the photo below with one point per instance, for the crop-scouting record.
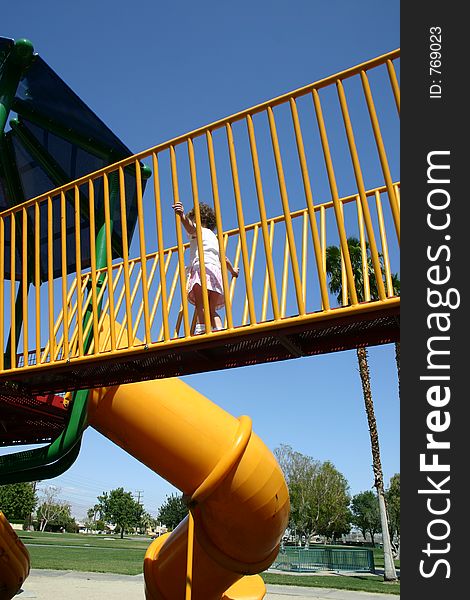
(363, 583)
(94, 553)
(110, 554)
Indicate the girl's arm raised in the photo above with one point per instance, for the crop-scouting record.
(187, 223)
(234, 272)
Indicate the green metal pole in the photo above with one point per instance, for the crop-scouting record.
(17, 61)
(25, 110)
(15, 196)
(40, 463)
(54, 459)
(48, 471)
(19, 58)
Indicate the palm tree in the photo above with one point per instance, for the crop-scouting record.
(333, 270)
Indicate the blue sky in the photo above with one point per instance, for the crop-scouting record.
(155, 70)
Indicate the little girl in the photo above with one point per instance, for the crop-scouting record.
(214, 283)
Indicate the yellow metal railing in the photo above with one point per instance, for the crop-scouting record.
(287, 178)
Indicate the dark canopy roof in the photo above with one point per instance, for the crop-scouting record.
(56, 138)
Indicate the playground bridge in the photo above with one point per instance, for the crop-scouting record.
(62, 272)
(93, 294)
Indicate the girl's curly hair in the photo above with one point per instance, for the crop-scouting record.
(207, 216)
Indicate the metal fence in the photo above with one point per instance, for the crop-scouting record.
(330, 559)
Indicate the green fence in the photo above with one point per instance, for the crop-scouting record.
(331, 559)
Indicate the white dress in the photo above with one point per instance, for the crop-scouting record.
(214, 283)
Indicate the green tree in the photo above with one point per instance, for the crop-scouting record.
(365, 513)
(318, 494)
(60, 518)
(119, 508)
(17, 500)
(93, 517)
(330, 502)
(53, 513)
(392, 496)
(147, 522)
(364, 275)
(172, 511)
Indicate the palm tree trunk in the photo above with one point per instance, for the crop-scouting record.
(397, 359)
(389, 566)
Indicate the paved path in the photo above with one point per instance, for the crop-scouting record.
(45, 584)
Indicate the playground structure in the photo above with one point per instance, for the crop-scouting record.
(14, 560)
(80, 314)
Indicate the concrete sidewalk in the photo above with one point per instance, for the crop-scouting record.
(44, 584)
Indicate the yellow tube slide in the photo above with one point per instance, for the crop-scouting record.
(232, 481)
(14, 560)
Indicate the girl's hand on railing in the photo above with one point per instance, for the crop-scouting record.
(178, 208)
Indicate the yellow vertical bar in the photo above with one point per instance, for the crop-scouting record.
(218, 218)
(12, 292)
(122, 329)
(117, 305)
(94, 299)
(383, 240)
(78, 269)
(200, 247)
(394, 83)
(2, 291)
(125, 256)
(235, 264)
(60, 318)
(37, 278)
(63, 249)
(160, 246)
(149, 283)
(50, 279)
(78, 264)
(189, 557)
(170, 301)
(364, 258)
(103, 311)
(266, 277)
(323, 244)
(335, 197)
(286, 210)
(252, 267)
(323, 237)
(143, 252)
(381, 150)
(24, 285)
(285, 280)
(241, 224)
(304, 257)
(159, 293)
(133, 295)
(397, 195)
(362, 192)
(179, 239)
(344, 278)
(264, 225)
(109, 261)
(310, 205)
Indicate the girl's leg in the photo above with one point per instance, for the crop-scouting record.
(198, 303)
(216, 321)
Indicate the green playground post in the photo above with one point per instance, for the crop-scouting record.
(59, 455)
(17, 61)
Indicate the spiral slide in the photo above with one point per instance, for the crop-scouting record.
(233, 484)
(14, 560)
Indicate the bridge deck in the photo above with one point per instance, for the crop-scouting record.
(306, 196)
